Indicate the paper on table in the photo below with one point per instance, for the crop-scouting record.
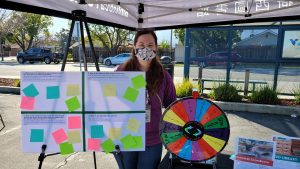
(30, 91)
(72, 103)
(74, 136)
(27, 103)
(131, 94)
(73, 90)
(133, 125)
(114, 133)
(53, 92)
(59, 136)
(74, 122)
(109, 90)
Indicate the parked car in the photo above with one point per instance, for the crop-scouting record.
(39, 54)
(123, 57)
(116, 60)
(221, 59)
(165, 59)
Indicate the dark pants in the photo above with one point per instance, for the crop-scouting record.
(148, 159)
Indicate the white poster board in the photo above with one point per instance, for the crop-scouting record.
(83, 111)
(254, 154)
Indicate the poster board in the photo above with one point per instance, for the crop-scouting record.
(254, 154)
(287, 152)
(83, 111)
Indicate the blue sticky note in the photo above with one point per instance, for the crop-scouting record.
(30, 91)
(53, 92)
(97, 131)
(37, 135)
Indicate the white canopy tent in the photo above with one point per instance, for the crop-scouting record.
(163, 14)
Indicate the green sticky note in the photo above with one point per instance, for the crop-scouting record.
(72, 103)
(128, 142)
(97, 131)
(108, 146)
(30, 91)
(131, 94)
(109, 90)
(53, 92)
(138, 81)
(139, 142)
(66, 148)
(74, 137)
(73, 90)
(37, 135)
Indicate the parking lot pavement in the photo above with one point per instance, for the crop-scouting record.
(242, 124)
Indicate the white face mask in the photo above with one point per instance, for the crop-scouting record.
(145, 53)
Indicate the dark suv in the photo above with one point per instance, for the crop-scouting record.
(39, 54)
(220, 59)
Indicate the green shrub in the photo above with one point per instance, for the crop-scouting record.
(184, 89)
(264, 95)
(296, 92)
(225, 92)
(17, 83)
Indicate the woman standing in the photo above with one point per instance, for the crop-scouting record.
(160, 93)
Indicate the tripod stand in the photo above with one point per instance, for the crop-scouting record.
(77, 15)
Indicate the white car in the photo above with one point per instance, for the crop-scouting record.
(117, 60)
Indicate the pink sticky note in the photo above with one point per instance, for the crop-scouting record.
(27, 103)
(94, 144)
(59, 136)
(74, 122)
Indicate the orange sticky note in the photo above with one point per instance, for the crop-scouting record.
(27, 103)
(94, 144)
(59, 136)
(74, 122)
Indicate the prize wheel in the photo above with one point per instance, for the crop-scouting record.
(194, 129)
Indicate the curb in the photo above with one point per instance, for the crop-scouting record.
(259, 108)
(227, 106)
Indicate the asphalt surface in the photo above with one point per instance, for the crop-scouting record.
(242, 124)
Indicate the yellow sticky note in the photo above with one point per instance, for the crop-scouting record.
(73, 90)
(109, 90)
(133, 125)
(114, 133)
(74, 137)
(214, 142)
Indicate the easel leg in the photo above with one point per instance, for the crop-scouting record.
(120, 156)
(83, 45)
(2, 123)
(95, 163)
(68, 45)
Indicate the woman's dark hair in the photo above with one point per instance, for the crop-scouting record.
(155, 74)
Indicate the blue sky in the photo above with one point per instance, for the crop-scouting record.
(59, 23)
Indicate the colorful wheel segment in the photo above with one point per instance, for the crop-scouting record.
(194, 129)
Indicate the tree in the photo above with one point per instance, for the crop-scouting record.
(110, 37)
(62, 37)
(165, 45)
(208, 41)
(7, 25)
(33, 26)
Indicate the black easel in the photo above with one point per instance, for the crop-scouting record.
(120, 155)
(77, 15)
